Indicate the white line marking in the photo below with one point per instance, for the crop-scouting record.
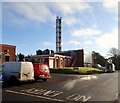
(48, 93)
(51, 93)
(116, 97)
(89, 77)
(78, 97)
(34, 95)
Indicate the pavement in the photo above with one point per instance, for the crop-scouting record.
(66, 88)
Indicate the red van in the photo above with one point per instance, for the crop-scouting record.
(41, 71)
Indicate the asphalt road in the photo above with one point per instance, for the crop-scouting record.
(66, 88)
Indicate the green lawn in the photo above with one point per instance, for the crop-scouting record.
(76, 70)
(87, 70)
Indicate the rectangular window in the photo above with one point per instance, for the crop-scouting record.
(0, 56)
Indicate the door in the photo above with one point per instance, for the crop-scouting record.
(51, 63)
(57, 63)
(7, 58)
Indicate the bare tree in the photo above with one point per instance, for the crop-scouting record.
(113, 52)
(115, 57)
(21, 57)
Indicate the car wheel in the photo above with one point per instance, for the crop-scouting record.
(45, 79)
(36, 78)
(13, 80)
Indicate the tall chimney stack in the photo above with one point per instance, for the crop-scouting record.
(58, 34)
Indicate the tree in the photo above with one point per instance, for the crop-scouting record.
(28, 57)
(21, 57)
(113, 52)
(114, 55)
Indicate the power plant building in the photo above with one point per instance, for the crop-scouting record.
(59, 59)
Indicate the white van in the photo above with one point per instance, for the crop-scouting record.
(18, 71)
(110, 67)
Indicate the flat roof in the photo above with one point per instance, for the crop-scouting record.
(50, 55)
(7, 45)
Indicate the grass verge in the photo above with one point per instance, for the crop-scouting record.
(76, 70)
(0, 68)
(87, 70)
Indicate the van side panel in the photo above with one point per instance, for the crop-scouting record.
(27, 71)
(6, 70)
(16, 69)
(23, 71)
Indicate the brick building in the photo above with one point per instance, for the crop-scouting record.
(77, 57)
(52, 60)
(70, 58)
(7, 53)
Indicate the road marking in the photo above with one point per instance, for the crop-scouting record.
(78, 97)
(10, 91)
(89, 77)
(115, 99)
(49, 94)
(44, 92)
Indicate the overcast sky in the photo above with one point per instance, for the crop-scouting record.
(92, 26)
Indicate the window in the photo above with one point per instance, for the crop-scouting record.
(0, 56)
(7, 58)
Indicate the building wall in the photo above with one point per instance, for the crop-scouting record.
(56, 61)
(80, 58)
(77, 57)
(98, 59)
(7, 52)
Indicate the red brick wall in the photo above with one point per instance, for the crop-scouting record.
(46, 60)
(80, 58)
(0, 61)
(7, 50)
(77, 60)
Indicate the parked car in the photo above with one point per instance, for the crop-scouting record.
(41, 71)
(18, 71)
(110, 67)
